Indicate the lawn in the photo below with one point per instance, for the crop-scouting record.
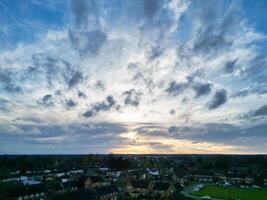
(233, 193)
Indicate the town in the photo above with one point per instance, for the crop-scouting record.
(111, 177)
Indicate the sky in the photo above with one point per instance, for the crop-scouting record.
(135, 76)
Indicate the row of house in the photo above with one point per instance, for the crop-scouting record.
(221, 178)
(102, 184)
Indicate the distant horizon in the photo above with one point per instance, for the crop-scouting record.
(105, 154)
(135, 76)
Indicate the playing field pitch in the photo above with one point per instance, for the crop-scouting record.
(232, 193)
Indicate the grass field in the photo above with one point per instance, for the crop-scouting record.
(233, 193)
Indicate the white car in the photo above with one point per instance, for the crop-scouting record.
(206, 198)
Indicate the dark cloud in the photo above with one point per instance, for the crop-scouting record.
(241, 93)
(132, 66)
(259, 115)
(80, 11)
(88, 41)
(258, 89)
(31, 72)
(160, 146)
(81, 94)
(99, 85)
(211, 132)
(216, 31)
(5, 105)
(207, 42)
(202, 89)
(47, 65)
(85, 13)
(106, 105)
(46, 101)
(132, 97)
(102, 135)
(262, 111)
(70, 104)
(230, 66)
(175, 88)
(52, 68)
(219, 98)
(7, 83)
(255, 71)
(172, 112)
(86, 35)
(75, 79)
(150, 8)
(154, 52)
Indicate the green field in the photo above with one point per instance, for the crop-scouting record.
(233, 193)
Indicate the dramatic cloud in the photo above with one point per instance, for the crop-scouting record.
(230, 66)
(98, 137)
(88, 41)
(262, 111)
(70, 103)
(100, 106)
(172, 112)
(202, 89)
(154, 53)
(259, 113)
(7, 83)
(138, 76)
(220, 97)
(46, 101)
(132, 97)
(221, 133)
(75, 79)
(176, 88)
(80, 11)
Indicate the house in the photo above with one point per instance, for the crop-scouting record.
(142, 186)
(92, 181)
(163, 188)
(70, 186)
(107, 192)
(59, 173)
(20, 192)
(139, 186)
(84, 194)
(10, 177)
(153, 172)
(117, 175)
(137, 174)
(30, 182)
(155, 177)
(76, 172)
(203, 177)
(239, 179)
(65, 178)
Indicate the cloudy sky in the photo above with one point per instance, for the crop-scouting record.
(135, 76)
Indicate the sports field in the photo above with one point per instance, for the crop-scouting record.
(232, 193)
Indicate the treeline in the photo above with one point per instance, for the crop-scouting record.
(189, 163)
(63, 162)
